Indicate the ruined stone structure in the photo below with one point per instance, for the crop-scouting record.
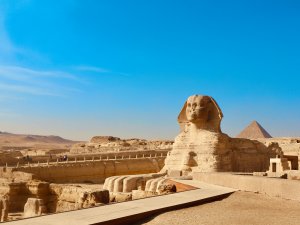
(36, 198)
(201, 145)
(102, 144)
(35, 189)
(289, 146)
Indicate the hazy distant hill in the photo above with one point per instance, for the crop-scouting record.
(10, 141)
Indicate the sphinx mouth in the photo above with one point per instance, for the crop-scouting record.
(194, 114)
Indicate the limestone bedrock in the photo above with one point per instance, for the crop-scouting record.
(201, 145)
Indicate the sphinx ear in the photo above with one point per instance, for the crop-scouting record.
(215, 115)
(182, 115)
(182, 119)
(216, 108)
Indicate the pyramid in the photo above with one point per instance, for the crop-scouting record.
(254, 131)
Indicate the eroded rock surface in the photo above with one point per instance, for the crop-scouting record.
(70, 197)
(101, 144)
(34, 198)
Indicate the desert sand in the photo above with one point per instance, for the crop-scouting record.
(239, 208)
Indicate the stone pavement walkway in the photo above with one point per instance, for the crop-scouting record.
(128, 212)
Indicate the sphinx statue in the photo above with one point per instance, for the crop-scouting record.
(201, 146)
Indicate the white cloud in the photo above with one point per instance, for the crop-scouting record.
(98, 70)
(4, 98)
(23, 73)
(91, 69)
(36, 82)
(7, 49)
(28, 90)
(16, 78)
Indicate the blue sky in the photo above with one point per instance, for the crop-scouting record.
(124, 68)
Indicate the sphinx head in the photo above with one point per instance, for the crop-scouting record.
(203, 111)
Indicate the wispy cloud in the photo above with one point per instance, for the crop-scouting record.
(36, 82)
(10, 53)
(7, 49)
(4, 98)
(95, 69)
(92, 69)
(28, 90)
(24, 73)
(17, 78)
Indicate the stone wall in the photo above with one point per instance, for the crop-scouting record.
(91, 171)
(283, 188)
(9, 157)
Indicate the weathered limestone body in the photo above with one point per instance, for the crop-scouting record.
(201, 146)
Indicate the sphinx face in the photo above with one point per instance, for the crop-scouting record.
(197, 108)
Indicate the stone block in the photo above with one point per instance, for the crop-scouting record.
(166, 189)
(130, 183)
(118, 186)
(3, 209)
(123, 197)
(34, 207)
(175, 173)
(293, 174)
(139, 194)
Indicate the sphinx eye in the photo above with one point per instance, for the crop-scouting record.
(189, 105)
(203, 103)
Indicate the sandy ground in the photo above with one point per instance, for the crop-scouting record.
(240, 208)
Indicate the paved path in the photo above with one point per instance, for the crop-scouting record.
(127, 212)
